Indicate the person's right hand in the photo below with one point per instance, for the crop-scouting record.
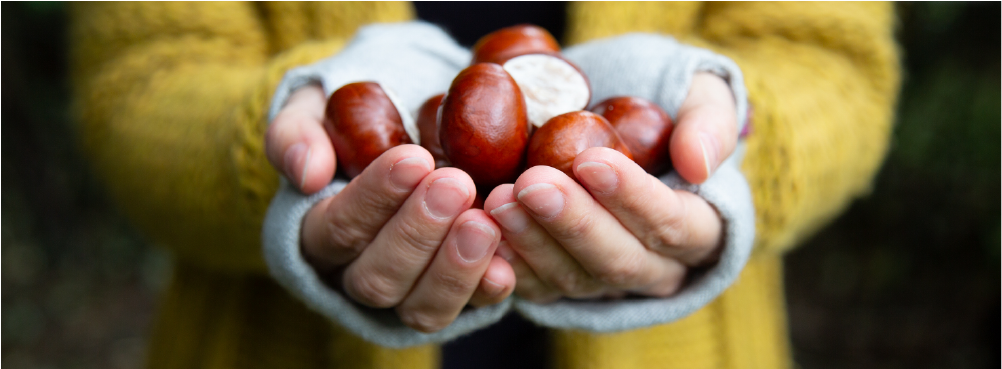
(400, 234)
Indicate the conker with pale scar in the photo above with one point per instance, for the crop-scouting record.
(562, 138)
(483, 127)
(427, 123)
(644, 127)
(362, 123)
(513, 41)
(552, 85)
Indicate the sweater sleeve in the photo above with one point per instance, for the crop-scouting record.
(660, 69)
(822, 81)
(414, 60)
(171, 100)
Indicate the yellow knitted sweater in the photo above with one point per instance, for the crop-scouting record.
(172, 100)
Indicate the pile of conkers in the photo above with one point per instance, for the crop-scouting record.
(520, 104)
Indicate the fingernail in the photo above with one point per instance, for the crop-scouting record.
(543, 199)
(711, 148)
(511, 217)
(598, 176)
(473, 241)
(407, 173)
(297, 158)
(446, 197)
(491, 288)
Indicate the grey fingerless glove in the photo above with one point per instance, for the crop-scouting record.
(415, 61)
(660, 69)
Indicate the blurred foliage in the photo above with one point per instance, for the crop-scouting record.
(906, 278)
(79, 285)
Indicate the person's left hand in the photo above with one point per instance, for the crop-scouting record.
(621, 230)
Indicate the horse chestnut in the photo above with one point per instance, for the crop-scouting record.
(513, 41)
(362, 123)
(427, 123)
(483, 127)
(644, 127)
(562, 138)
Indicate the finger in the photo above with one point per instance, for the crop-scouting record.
(296, 143)
(336, 230)
(388, 267)
(547, 258)
(528, 286)
(593, 236)
(707, 129)
(679, 224)
(496, 285)
(455, 273)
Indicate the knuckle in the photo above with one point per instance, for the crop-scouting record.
(638, 199)
(288, 120)
(669, 235)
(582, 225)
(672, 230)
(667, 287)
(350, 231)
(416, 237)
(525, 247)
(347, 240)
(421, 321)
(454, 285)
(623, 271)
(570, 284)
(375, 198)
(370, 290)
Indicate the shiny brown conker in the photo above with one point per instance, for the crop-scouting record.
(427, 123)
(644, 127)
(513, 41)
(562, 138)
(362, 123)
(483, 127)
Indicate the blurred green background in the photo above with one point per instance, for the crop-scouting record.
(904, 279)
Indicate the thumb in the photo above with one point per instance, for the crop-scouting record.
(297, 144)
(707, 129)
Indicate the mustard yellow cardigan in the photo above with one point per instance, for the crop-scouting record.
(172, 97)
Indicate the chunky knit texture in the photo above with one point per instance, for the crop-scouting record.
(172, 100)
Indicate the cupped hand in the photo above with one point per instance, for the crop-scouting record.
(399, 235)
(621, 230)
